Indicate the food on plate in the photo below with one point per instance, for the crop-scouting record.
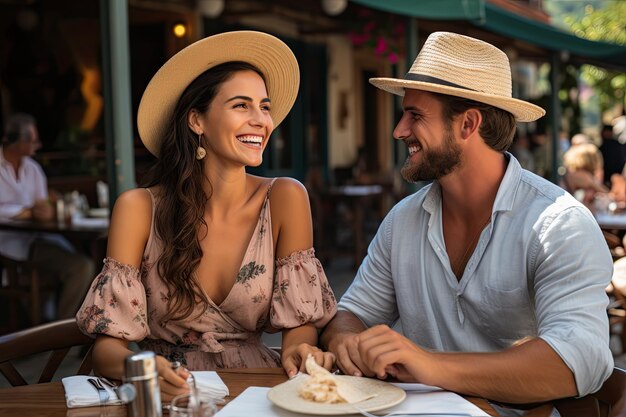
(323, 387)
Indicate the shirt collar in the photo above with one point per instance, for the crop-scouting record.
(505, 196)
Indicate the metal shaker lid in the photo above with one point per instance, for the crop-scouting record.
(140, 366)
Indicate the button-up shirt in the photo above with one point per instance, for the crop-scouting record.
(18, 192)
(540, 268)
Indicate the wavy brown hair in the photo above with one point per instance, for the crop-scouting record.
(179, 215)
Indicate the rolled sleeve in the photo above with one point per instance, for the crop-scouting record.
(571, 302)
(372, 297)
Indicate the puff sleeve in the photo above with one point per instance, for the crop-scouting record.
(301, 292)
(115, 305)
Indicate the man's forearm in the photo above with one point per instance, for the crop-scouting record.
(343, 322)
(530, 372)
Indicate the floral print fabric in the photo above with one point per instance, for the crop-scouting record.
(268, 294)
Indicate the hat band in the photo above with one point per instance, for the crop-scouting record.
(433, 80)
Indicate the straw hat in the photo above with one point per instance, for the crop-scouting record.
(266, 52)
(461, 66)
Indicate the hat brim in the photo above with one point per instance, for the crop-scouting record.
(267, 53)
(523, 111)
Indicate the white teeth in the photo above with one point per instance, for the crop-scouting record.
(250, 139)
(414, 148)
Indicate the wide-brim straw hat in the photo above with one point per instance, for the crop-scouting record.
(267, 53)
(461, 66)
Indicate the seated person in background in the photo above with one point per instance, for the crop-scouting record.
(580, 139)
(24, 195)
(495, 275)
(584, 173)
(207, 257)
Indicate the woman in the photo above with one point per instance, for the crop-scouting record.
(207, 257)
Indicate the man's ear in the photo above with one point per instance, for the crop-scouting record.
(193, 122)
(472, 118)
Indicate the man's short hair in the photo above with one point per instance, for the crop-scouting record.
(15, 127)
(497, 128)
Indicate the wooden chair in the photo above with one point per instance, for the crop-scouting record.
(23, 281)
(609, 401)
(57, 337)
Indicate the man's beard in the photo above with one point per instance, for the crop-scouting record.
(435, 163)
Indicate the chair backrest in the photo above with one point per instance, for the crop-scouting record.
(57, 337)
(609, 401)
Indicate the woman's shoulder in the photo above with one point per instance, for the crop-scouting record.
(136, 199)
(288, 188)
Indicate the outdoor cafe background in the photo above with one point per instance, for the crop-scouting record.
(80, 68)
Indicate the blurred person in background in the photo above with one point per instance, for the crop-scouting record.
(581, 139)
(613, 152)
(584, 173)
(24, 195)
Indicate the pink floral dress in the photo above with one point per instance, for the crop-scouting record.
(130, 304)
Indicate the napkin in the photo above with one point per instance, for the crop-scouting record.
(80, 393)
(253, 402)
(210, 384)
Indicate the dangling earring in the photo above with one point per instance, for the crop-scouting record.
(200, 151)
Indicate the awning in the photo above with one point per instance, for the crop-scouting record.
(495, 19)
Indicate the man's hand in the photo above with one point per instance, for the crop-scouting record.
(345, 346)
(43, 210)
(387, 352)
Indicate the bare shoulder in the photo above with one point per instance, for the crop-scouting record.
(130, 226)
(285, 189)
(289, 199)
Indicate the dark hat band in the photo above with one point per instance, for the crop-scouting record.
(433, 80)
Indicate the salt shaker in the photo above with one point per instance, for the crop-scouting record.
(141, 372)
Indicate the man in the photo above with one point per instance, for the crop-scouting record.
(495, 275)
(24, 195)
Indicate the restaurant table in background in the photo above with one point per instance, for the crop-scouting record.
(49, 399)
(88, 235)
(611, 221)
(358, 199)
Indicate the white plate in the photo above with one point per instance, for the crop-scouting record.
(286, 396)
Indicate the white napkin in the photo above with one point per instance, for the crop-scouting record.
(80, 393)
(253, 402)
(210, 384)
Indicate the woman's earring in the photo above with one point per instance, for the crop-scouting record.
(200, 151)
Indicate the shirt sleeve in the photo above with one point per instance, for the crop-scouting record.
(301, 292)
(41, 184)
(572, 269)
(371, 296)
(115, 304)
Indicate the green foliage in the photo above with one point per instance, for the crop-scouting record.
(599, 20)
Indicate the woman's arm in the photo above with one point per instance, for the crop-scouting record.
(291, 220)
(128, 235)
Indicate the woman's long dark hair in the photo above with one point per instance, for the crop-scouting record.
(179, 215)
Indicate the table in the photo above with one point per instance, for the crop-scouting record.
(49, 400)
(608, 221)
(358, 199)
(84, 234)
(84, 231)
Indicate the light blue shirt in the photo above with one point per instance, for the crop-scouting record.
(540, 268)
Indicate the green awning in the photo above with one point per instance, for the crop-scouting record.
(495, 19)
(430, 9)
(536, 33)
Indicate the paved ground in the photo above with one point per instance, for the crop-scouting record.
(339, 273)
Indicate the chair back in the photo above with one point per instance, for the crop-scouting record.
(57, 337)
(609, 401)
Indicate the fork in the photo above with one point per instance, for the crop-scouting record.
(410, 413)
(103, 394)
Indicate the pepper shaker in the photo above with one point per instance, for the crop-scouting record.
(141, 372)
